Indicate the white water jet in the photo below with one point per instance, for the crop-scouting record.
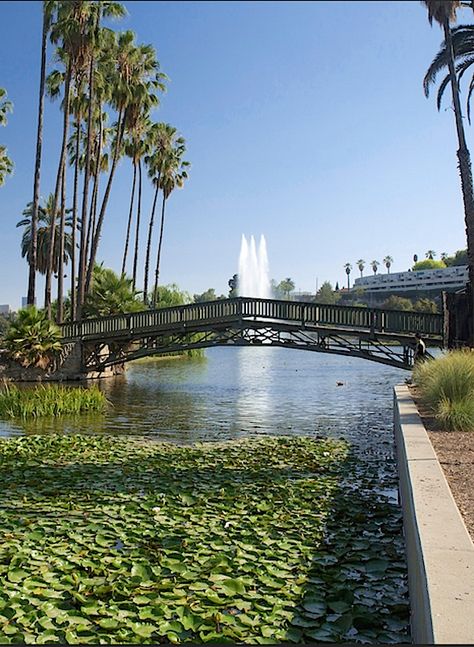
(254, 278)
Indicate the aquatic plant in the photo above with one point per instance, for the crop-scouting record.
(51, 400)
(447, 388)
(113, 540)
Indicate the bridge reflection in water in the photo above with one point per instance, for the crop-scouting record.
(385, 336)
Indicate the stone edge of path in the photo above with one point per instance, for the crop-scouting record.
(439, 549)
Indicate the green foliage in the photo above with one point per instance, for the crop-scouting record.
(447, 388)
(51, 400)
(6, 165)
(248, 541)
(397, 303)
(5, 321)
(425, 305)
(327, 295)
(208, 295)
(32, 339)
(286, 286)
(459, 258)
(110, 294)
(428, 264)
(45, 218)
(170, 295)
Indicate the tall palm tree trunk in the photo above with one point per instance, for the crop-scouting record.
(105, 199)
(148, 244)
(74, 221)
(95, 189)
(36, 189)
(465, 172)
(137, 228)
(158, 256)
(59, 317)
(130, 216)
(62, 159)
(85, 196)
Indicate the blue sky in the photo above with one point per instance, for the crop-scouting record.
(305, 121)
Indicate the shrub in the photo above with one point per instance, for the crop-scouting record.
(32, 339)
(428, 264)
(447, 388)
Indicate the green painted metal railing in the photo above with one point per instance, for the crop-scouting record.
(244, 308)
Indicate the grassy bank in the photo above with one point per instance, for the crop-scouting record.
(50, 400)
(113, 540)
(447, 388)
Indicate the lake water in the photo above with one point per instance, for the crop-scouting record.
(237, 392)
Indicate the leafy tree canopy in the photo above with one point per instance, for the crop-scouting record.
(425, 305)
(170, 295)
(428, 264)
(397, 303)
(208, 295)
(327, 295)
(459, 258)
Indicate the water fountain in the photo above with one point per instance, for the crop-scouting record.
(254, 279)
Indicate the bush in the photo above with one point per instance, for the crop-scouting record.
(447, 388)
(32, 339)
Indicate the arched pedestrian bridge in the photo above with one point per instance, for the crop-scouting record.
(385, 336)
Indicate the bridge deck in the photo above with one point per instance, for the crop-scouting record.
(306, 315)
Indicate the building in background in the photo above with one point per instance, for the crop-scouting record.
(5, 309)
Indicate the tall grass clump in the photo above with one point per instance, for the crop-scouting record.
(447, 388)
(51, 400)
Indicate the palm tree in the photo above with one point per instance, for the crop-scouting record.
(387, 261)
(136, 80)
(45, 218)
(48, 12)
(110, 294)
(31, 339)
(444, 13)
(374, 265)
(361, 265)
(6, 165)
(173, 175)
(430, 254)
(163, 139)
(348, 269)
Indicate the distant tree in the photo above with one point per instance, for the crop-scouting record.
(387, 261)
(430, 254)
(374, 265)
(286, 286)
(337, 286)
(348, 270)
(361, 265)
(208, 295)
(425, 305)
(170, 295)
(459, 258)
(327, 295)
(428, 264)
(397, 303)
(5, 321)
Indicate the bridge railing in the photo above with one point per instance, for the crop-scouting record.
(376, 320)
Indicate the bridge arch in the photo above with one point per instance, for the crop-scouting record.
(384, 336)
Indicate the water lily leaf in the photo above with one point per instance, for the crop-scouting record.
(108, 623)
(339, 606)
(143, 629)
(231, 586)
(315, 608)
(17, 574)
(141, 571)
(374, 565)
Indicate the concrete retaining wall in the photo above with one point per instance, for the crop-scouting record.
(440, 552)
